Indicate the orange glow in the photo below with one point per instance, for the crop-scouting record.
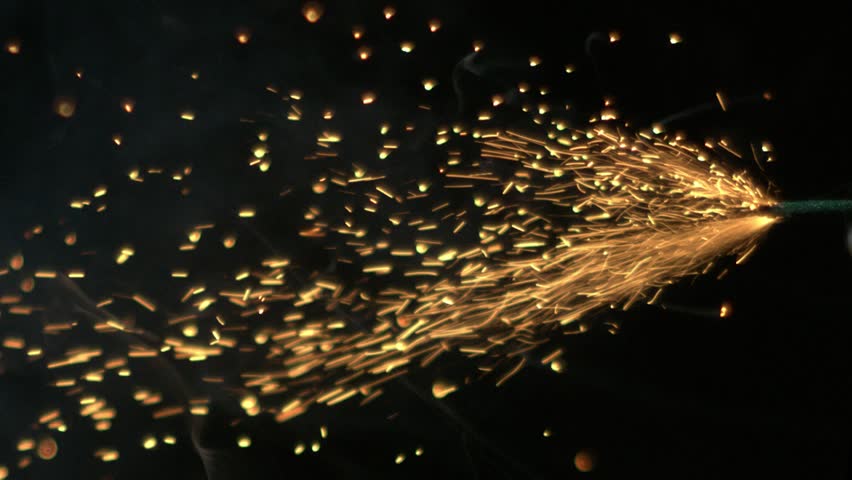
(312, 11)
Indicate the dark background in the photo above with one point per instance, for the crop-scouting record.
(677, 393)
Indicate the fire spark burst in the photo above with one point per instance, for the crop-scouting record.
(491, 257)
(591, 219)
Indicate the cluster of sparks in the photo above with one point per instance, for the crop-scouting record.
(494, 255)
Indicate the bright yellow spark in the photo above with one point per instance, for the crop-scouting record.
(243, 35)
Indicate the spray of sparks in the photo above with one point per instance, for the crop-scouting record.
(499, 252)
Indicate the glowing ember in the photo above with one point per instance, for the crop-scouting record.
(13, 47)
(65, 107)
(243, 35)
(47, 448)
(312, 11)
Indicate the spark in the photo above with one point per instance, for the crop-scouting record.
(441, 389)
(65, 107)
(243, 35)
(149, 442)
(47, 448)
(313, 11)
(722, 102)
(13, 46)
(107, 454)
(17, 261)
(584, 460)
(26, 444)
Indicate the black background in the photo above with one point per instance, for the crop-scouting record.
(678, 393)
